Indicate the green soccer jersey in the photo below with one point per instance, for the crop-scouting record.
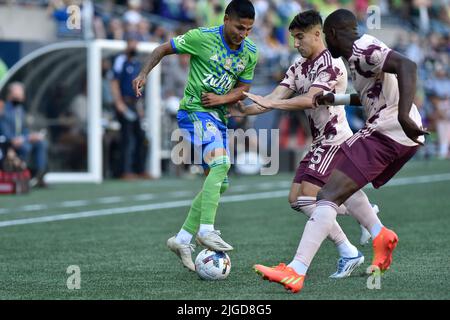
(214, 67)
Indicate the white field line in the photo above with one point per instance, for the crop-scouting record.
(184, 203)
(138, 197)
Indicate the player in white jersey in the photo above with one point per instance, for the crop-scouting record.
(314, 72)
(374, 154)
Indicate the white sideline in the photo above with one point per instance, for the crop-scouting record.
(184, 203)
(135, 198)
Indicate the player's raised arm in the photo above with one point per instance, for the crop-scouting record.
(297, 103)
(155, 57)
(406, 71)
(280, 92)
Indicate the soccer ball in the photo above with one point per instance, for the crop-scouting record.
(212, 265)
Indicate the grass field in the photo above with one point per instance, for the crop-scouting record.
(116, 233)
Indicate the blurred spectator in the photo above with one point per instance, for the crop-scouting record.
(143, 29)
(111, 136)
(129, 112)
(414, 50)
(25, 143)
(115, 29)
(73, 135)
(175, 81)
(58, 10)
(133, 14)
(439, 88)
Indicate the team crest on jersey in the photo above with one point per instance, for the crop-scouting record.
(324, 77)
(227, 64)
(240, 67)
(214, 58)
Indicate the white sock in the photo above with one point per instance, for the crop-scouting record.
(183, 237)
(375, 229)
(299, 267)
(205, 228)
(347, 250)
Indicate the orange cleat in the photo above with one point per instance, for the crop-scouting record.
(282, 274)
(383, 247)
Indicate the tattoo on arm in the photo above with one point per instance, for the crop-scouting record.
(154, 59)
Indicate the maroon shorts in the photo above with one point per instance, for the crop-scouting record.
(317, 165)
(369, 156)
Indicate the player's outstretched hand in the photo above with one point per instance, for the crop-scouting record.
(138, 84)
(412, 130)
(263, 102)
(321, 99)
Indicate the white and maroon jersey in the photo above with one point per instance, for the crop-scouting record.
(378, 91)
(328, 125)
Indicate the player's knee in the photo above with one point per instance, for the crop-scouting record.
(334, 196)
(292, 199)
(325, 194)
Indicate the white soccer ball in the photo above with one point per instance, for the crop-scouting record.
(212, 265)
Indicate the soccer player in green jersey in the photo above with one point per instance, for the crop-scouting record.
(222, 65)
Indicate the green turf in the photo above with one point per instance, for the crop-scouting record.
(124, 256)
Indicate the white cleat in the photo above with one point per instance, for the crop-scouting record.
(365, 234)
(183, 251)
(347, 265)
(213, 241)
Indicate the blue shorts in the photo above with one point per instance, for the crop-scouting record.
(204, 131)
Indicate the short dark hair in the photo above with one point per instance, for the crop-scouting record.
(341, 18)
(306, 20)
(241, 9)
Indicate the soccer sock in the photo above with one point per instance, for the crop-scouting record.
(183, 236)
(205, 228)
(316, 230)
(347, 250)
(307, 206)
(342, 210)
(303, 201)
(192, 222)
(298, 267)
(359, 207)
(375, 230)
(211, 189)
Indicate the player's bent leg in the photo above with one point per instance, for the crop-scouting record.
(321, 222)
(219, 164)
(181, 243)
(338, 188)
(365, 234)
(349, 256)
(192, 222)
